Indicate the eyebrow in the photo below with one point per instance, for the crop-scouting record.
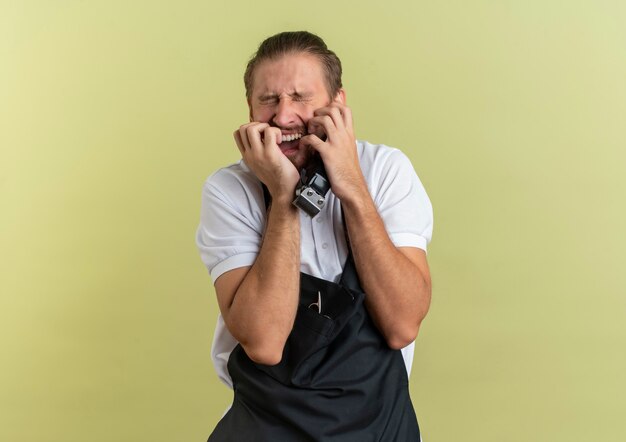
(295, 94)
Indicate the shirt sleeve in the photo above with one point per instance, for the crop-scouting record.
(402, 201)
(231, 222)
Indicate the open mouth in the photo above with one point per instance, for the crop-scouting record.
(291, 137)
(290, 142)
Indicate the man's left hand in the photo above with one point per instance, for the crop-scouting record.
(338, 150)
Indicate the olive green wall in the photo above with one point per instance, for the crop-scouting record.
(112, 114)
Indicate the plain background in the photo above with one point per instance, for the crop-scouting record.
(113, 113)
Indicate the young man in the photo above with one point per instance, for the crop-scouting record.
(318, 312)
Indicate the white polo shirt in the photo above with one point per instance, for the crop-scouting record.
(232, 222)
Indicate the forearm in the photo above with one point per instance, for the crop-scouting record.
(398, 291)
(264, 306)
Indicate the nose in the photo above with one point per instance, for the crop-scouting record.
(285, 115)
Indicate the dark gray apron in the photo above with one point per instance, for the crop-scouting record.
(337, 381)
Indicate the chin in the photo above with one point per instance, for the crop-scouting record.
(301, 157)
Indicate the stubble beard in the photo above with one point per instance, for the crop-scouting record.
(302, 157)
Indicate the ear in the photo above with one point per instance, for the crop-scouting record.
(341, 96)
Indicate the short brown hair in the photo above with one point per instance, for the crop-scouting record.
(294, 42)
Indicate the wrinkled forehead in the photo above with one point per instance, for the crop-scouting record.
(289, 73)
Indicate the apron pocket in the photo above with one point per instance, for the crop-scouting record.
(311, 335)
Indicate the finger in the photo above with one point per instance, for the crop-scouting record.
(334, 111)
(346, 113)
(253, 132)
(243, 133)
(239, 142)
(244, 136)
(337, 116)
(315, 142)
(347, 117)
(272, 137)
(323, 122)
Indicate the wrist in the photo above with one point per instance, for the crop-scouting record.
(283, 200)
(283, 205)
(354, 193)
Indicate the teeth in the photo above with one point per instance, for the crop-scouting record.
(291, 137)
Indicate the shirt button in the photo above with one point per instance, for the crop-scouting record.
(325, 245)
(319, 219)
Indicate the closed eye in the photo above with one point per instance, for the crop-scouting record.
(301, 97)
(268, 100)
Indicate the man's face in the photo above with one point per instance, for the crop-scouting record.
(285, 93)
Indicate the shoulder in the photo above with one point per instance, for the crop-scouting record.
(377, 156)
(398, 194)
(370, 152)
(236, 174)
(379, 162)
(232, 219)
(234, 184)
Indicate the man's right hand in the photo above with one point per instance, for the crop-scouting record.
(259, 303)
(258, 144)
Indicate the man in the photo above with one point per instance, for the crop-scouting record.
(310, 356)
